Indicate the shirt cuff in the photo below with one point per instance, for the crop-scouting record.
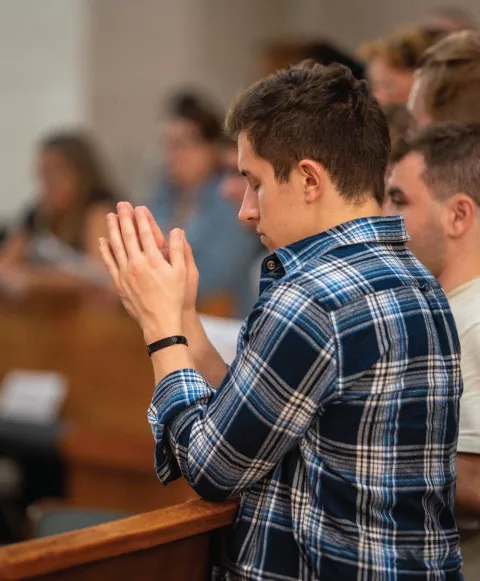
(468, 443)
(177, 392)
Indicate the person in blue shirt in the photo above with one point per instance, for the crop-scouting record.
(337, 422)
(189, 195)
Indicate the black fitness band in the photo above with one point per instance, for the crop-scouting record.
(168, 342)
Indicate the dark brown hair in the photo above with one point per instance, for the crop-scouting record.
(195, 109)
(452, 157)
(320, 113)
(80, 153)
(450, 78)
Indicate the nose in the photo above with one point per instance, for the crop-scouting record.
(249, 209)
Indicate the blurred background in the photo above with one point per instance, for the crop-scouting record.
(108, 64)
(106, 100)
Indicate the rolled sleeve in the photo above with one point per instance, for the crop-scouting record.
(182, 391)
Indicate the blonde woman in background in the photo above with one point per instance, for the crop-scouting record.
(391, 62)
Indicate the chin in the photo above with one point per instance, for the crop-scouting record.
(266, 242)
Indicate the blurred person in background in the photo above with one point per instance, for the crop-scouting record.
(398, 120)
(448, 19)
(234, 185)
(55, 244)
(435, 186)
(189, 196)
(391, 63)
(447, 84)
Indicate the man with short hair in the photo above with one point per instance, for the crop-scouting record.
(447, 84)
(337, 421)
(435, 185)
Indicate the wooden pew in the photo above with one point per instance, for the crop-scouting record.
(107, 443)
(171, 544)
(114, 471)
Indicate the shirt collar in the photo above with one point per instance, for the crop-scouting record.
(384, 230)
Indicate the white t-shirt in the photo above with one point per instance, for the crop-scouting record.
(465, 305)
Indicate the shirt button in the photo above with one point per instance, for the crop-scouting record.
(271, 265)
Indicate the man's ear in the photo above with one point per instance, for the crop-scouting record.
(313, 177)
(460, 215)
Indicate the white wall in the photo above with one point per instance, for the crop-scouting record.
(141, 49)
(352, 22)
(42, 85)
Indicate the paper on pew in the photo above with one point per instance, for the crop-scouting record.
(52, 251)
(223, 333)
(35, 396)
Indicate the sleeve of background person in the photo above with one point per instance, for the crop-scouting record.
(468, 458)
(224, 265)
(224, 441)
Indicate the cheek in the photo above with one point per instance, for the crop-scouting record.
(415, 222)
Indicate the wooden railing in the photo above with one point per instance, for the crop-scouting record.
(171, 544)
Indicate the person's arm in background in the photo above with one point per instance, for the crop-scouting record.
(468, 451)
(95, 228)
(13, 249)
(468, 482)
(17, 277)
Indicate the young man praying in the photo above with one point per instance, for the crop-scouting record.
(337, 421)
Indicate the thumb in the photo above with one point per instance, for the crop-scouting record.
(176, 246)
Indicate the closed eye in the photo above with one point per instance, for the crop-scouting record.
(397, 197)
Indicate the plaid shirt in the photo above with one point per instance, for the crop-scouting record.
(337, 421)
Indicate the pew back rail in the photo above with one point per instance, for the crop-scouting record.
(172, 543)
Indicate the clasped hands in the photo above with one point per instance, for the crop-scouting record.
(155, 278)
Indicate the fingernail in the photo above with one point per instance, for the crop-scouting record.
(177, 234)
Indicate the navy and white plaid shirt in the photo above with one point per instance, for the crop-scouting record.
(337, 421)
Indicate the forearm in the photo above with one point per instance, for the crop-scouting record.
(208, 361)
(468, 482)
(13, 250)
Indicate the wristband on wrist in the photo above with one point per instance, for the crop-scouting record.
(167, 342)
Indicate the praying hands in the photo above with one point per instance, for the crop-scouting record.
(156, 279)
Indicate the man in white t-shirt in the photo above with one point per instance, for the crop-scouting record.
(435, 185)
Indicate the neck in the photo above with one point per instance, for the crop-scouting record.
(338, 215)
(463, 267)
